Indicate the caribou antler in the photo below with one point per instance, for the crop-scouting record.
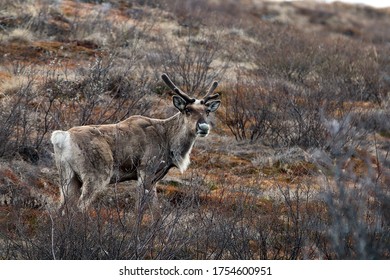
(208, 96)
(173, 87)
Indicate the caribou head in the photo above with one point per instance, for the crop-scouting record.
(195, 111)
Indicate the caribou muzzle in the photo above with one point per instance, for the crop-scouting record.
(202, 129)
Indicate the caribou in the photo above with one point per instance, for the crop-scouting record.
(91, 157)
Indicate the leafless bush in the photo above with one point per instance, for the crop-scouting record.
(103, 93)
(338, 68)
(284, 53)
(107, 232)
(25, 120)
(227, 222)
(191, 14)
(371, 120)
(349, 78)
(48, 21)
(299, 82)
(190, 62)
(275, 112)
(357, 210)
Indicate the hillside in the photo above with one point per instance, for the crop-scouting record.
(296, 166)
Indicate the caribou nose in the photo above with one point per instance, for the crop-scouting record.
(202, 129)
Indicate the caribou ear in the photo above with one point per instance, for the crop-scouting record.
(179, 102)
(213, 106)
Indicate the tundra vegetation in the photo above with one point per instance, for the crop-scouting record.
(297, 162)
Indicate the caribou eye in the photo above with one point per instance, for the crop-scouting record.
(207, 112)
(187, 111)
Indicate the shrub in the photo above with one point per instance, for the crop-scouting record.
(189, 63)
(275, 112)
(358, 224)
